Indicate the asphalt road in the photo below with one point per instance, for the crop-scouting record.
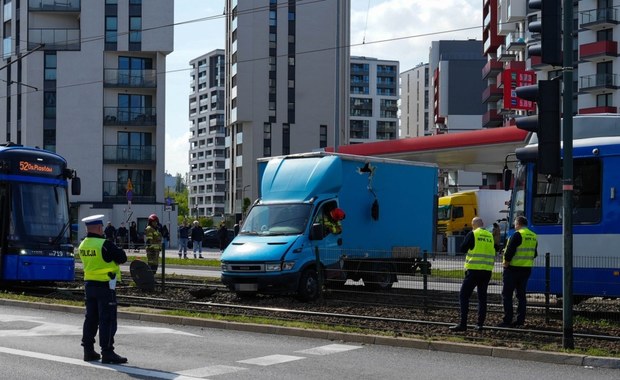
(43, 344)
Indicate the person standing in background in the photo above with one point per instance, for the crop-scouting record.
(183, 236)
(152, 240)
(197, 234)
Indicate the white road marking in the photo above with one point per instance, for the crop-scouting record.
(213, 370)
(329, 349)
(271, 360)
(151, 374)
(56, 329)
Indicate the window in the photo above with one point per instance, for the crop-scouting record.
(111, 29)
(286, 139)
(604, 100)
(49, 108)
(140, 179)
(50, 65)
(135, 146)
(135, 29)
(133, 107)
(131, 70)
(322, 136)
(266, 140)
(547, 208)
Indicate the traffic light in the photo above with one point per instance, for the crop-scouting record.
(546, 123)
(550, 28)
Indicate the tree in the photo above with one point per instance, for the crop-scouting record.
(246, 205)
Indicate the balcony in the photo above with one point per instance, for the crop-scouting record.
(146, 116)
(491, 119)
(597, 19)
(505, 55)
(126, 154)
(130, 78)
(515, 42)
(598, 51)
(596, 83)
(603, 109)
(492, 67)
(54, 39)
(492, 93)
(54, 5)
(116, 192)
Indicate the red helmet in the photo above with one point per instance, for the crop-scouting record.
(337, 214)
(153, 217)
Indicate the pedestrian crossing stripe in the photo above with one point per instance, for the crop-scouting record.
(329, 349)
(271, 360)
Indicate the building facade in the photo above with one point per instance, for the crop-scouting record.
(373, 102)
(86, 79)
(207, 181)
(414, 102)
(287, 84)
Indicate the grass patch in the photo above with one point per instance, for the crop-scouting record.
(22, 297)
(458, 274)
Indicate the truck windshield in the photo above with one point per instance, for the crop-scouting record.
(39, 213)
(443, 212)
(277, 219)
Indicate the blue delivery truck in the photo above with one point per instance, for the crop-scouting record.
(351, 217)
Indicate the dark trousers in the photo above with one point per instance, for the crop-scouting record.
(479, 279)
(515, 280)
(100, 314)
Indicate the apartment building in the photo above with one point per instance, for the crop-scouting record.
(596, 32)
(287, 84)
(414, 102)
(85, 78)
(373, 102)
(207, 182)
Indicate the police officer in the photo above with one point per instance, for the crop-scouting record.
(101, 259)
(519, 256)
(152, 239)
(480, 249)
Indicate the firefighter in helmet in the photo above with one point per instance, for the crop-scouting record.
(332, 216)
(153, 239)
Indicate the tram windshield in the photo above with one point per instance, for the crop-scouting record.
(39, 213)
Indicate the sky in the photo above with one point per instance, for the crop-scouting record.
(400, 30)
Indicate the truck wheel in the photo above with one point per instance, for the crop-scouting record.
(308, 286)
(381, 277)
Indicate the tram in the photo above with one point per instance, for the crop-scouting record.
(35, 243)
(596, 210)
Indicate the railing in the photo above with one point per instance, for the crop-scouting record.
(130, 78)
(54, 39)
(55, 5)
(599, 15)
(127, 153)
(114, 191)
(598, 80)
(129, 116)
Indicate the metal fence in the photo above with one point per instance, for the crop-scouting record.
(412, 278)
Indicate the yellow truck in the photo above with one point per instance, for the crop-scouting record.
(455, 211)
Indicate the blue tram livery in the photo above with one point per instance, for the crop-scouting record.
(596, 210)
(35, 243)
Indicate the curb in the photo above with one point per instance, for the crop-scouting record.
(452, 347)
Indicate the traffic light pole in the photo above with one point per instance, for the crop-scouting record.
(567, 181)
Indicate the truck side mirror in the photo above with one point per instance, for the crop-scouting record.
(506, 178)
(316, 231)
(76, 186)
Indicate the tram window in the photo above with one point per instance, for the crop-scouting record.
(547, 207)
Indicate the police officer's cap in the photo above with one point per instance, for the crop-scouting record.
(94, 219)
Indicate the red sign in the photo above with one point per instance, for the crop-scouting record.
(513, 78)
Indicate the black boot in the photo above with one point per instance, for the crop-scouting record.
(112, 358)
(90, 355)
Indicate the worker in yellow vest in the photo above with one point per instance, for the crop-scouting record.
(101, 259)
(479, 261)
(519, 256)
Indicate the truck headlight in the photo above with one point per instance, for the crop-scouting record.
(272, 267)
(223, 267)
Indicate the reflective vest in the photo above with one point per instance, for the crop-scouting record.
(524, 256)
(153, 238)
(482, 256)
(332, 226)
(95, 268)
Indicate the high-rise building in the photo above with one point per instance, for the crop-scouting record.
(206, 153)
(86, 79)
(373, 102)
(414, 102)
(287, 84)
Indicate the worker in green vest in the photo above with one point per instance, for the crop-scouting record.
(479, 261)
(101, 259)
(519, 256)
